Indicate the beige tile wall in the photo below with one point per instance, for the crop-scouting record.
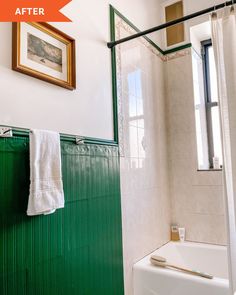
(160, 183)
(196, 196)
(143, 162)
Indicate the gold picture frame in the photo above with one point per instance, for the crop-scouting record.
(43, 52)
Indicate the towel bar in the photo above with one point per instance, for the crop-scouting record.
(78, 139)
(5, 131)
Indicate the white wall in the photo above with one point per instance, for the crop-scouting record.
(31, 103)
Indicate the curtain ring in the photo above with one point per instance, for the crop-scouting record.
(214, 13)
(232, 7)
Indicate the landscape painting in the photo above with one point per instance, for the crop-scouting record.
(44, 53)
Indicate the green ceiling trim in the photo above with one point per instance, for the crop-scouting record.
(182, 47)
(114, 77)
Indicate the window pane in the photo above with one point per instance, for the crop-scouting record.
(196, 81)
(135, 93)
(199, 140)
(213, 78)
(216, 133)
(200, 114)
(132, 106)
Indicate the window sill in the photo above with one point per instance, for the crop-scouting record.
(210, 169)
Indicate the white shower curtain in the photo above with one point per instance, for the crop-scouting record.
(223, 27)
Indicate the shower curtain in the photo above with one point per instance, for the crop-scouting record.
(223, 26)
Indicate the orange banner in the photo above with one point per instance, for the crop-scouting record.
(33, 11)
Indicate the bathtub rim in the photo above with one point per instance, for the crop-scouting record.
(143, 265)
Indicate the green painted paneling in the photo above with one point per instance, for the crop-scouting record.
(78, 249)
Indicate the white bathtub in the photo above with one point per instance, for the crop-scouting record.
(152, 280)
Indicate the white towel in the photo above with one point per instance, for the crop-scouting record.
(46, 188)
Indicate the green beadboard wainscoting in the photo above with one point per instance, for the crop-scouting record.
(78, 249)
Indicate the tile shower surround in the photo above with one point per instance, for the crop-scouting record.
(144, 167)
(196, 196)
(160, 183)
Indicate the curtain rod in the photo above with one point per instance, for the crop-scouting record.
(171, 23)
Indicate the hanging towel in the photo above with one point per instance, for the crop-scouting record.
(46, 188)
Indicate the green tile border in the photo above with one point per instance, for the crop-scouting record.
(114, 77)
(172, 50)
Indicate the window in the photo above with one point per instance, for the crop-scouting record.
(212, 103)
(136, 119)
(206, 108)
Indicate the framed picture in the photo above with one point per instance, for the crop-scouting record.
(42, 51)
